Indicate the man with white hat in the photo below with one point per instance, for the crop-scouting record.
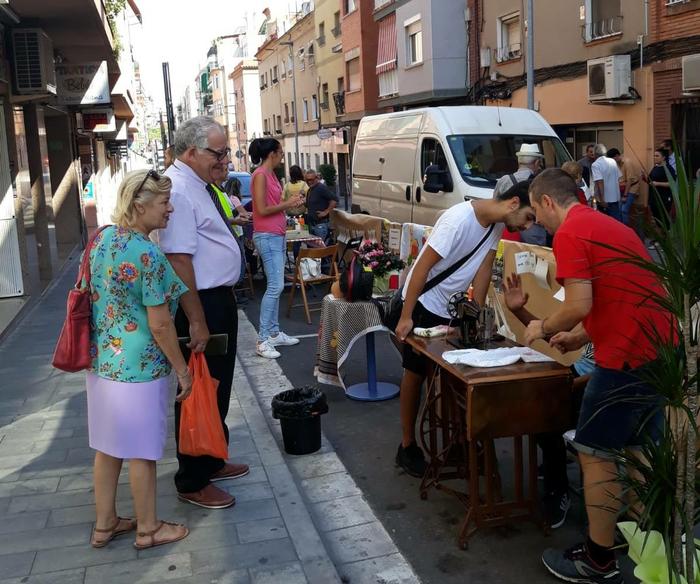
(529, 164)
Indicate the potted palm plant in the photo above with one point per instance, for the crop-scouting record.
(663, 477)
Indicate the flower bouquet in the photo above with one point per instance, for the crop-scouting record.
(381, 262)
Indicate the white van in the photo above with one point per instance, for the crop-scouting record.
(471, 146)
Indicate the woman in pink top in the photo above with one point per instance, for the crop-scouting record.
(269, 229)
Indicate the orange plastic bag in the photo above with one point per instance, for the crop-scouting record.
(200, 424)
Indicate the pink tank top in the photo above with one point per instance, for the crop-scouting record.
(277, 222)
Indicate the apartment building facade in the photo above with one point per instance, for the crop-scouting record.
(600, 36)
(248, 111)
(290, 93)
(674, 27)
(422, 56)
(65, 113)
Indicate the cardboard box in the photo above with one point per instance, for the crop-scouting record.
(537, 270)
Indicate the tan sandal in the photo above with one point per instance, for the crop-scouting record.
(152, 534)
(112, 531)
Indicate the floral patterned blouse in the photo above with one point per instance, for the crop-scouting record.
(128, 273)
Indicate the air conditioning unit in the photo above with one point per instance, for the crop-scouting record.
(609, 78)
(35, 72)
(690, 65)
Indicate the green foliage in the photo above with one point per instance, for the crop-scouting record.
(328, 174)
(663, 476)
(112, 9)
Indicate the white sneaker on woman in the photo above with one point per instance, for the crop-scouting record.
(283, 340)
(267, 350)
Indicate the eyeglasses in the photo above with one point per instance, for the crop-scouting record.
(220, 154)
(150, 174)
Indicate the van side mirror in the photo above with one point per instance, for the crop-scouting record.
(437, 180)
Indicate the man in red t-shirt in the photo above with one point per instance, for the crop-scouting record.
(606, 302)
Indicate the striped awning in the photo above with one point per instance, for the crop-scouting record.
(386, 51)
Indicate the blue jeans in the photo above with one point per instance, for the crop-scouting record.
(613, 210)
(320, 230)
(627, 207)
(272, 249)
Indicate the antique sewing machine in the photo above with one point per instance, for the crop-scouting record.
(475, 323)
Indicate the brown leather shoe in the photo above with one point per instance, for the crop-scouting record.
(230, 471)
(210, 497)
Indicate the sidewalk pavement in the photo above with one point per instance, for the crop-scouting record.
(296, 519)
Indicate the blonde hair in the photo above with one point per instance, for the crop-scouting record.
(573, 169)
(127, 196)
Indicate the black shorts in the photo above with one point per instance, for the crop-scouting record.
(422, 317)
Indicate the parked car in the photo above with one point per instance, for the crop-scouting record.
(410, 166)
(245, 180)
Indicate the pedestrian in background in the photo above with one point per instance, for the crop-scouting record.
(200, 245)
(661, 202)
(320, 201)
(606, 183)
(574, 170)
(586, 163)
(134, 346)
(269, 235)
(295, 186)
(530, 161)
(667, 145)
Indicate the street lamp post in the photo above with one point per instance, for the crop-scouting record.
(290, 44)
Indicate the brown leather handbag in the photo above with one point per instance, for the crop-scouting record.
(72, 351)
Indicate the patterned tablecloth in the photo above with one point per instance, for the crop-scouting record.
(342, 324)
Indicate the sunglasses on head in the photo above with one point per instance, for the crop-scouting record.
(220, 154)
(150, 174)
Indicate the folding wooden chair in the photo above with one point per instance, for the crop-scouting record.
(317, 254)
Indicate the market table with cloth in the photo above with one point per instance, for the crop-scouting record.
(342, 324)
(467, 408)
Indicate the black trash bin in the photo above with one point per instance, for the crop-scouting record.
(299, 412)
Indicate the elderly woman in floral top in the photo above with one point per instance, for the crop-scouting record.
(134, 348)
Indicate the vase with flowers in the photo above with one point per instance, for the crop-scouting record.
(381, 262)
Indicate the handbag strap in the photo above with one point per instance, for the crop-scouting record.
(84, 271)
(454, 267)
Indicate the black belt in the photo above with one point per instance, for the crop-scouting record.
(216, 290)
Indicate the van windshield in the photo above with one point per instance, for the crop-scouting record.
(483, 159)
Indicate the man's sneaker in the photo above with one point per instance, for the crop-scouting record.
(575, 565)
(283, 340)
(267, 350)
(556, 506)
(411, 460)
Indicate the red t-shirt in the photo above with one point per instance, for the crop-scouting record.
(621, 317)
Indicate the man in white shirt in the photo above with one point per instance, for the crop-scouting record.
(606, 180)
(475, 228)
(200, 245)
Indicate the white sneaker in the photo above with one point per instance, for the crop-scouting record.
(267, 350)
(283, 340)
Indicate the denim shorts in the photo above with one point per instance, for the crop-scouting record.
(619, 411)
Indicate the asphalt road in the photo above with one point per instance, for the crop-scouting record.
(366, 436)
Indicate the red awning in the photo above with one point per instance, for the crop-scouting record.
(386, 51)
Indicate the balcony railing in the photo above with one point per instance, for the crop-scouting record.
(673, 2)
(321, 40)
(324, 106)
(502, 54)
(336, 31)
(339, 102)
(381, 4)
(600, 29)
